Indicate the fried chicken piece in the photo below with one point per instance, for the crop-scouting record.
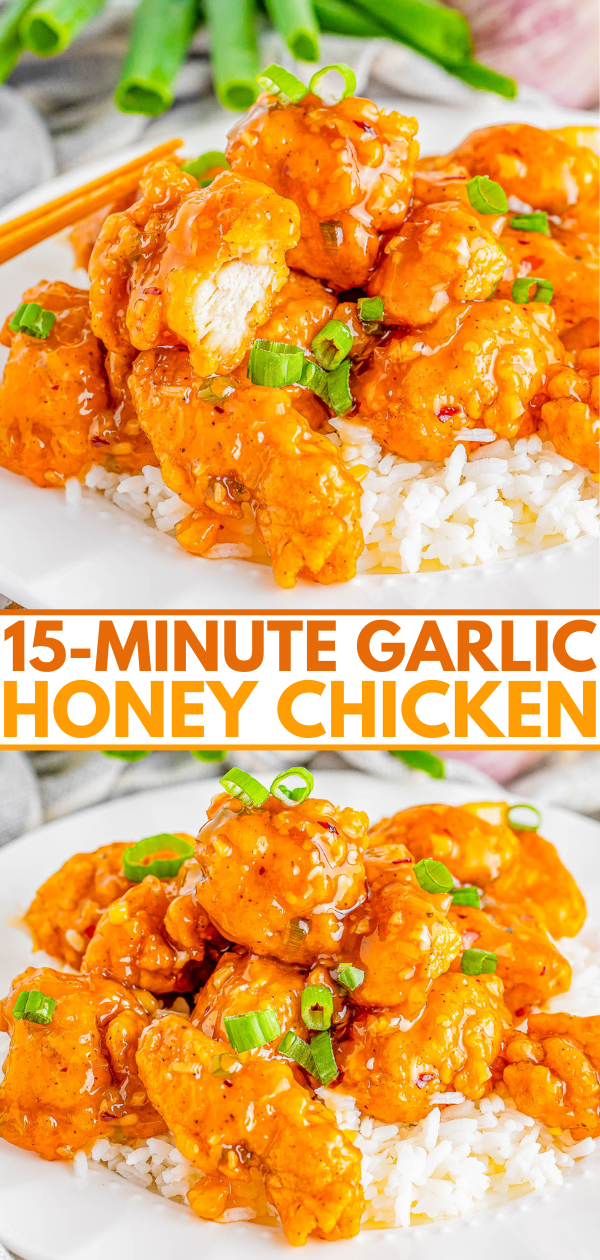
(155, 936)
(568, 263)
(474, 849)
(84, 235)
(538, 875)
(257, 1116)
(301, 308)
(349, 169)
(251, 446)
(529, 964)
(441, 253)
(192, 266)
(553, 1072)
(401, 937)
(244, 982)
(66, 908)
(127, 447)
(392, 1067)
(478, 366)
(74, 1079)
(281, 879)
(570, 415)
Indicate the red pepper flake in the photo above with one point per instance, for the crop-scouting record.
(520, 1011)
(531, 260)
(99, 441)
(424, 1079)
(444, 412)
(89, 931)
(154, 292)
(330, 827)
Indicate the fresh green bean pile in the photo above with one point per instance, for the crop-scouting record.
(162, 31)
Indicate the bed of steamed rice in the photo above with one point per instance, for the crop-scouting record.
(498, 502)
(462, 1158)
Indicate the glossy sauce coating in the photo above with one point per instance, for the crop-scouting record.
(74, 1079)
(348, 167)
(66, 908)
(474, 849)
(570, 413)
(553, 1072)
(252, 446)
(244, 982)
(538, 875)
(258, 1115)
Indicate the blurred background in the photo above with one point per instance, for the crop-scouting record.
(84, 79)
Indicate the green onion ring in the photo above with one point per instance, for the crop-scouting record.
(348, 976)
(421, 760)
(478, 962)
(338, 389)
(348, 77)
(543, 290)
(370, 309)
(324, 1058)
(536, 222)
(316, 1006)
(299, 794)
(313, 377)
(33, 319)
(468, 896)
(34, 1006)
(278, 81)
(251, 1030)
(163, 868)
(205, 162)
(331, 345)
(293, 1047)
(433, 876)
(527, 821)
(249, 791)
(486, 195)
(275, 363)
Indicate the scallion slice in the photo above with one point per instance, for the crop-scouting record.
(347, 975)
(486, 195)
(122, 755)
(332, 232)
(523, 818)
(295, 1048)
(247, 790)
(370, 309)
(332, 344)
(433, 876)
(280, 83)
(316, 1005)
(324, 1059)
(33, 319)
(338, 389)
(222, 1065)
(210, 754)
(349, 82)
(478, 962)
(206, 162)
(313, 377)
(136, 867)
(298, 794)
(298, 929)
(465, 897)
(420, 760)
(255, 1028)
(536, 222)
(34, 1006)
(275, 364)
(542, 289)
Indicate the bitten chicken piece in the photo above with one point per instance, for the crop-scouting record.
(441, 253)
(569, 264)
(474, 850)
(257, 1115)
(392, 1067)
(253, 446)
(478, 366)
(280, 880)
(245, 982)
(538, 875)
(401, 937)
(349, 169)
(529, 964)
(553, 1072)
(66, 908)
(570, 415)
(74, 1079)
(154, 937)
(192, 266)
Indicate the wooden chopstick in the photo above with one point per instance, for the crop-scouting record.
(36, 225)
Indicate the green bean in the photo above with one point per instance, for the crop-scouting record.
(233, 51)
(425, 25)
(160, 36)
(11, 43)
(295, 21)
(51, 25)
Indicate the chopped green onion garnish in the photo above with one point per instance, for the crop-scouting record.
(34, 1006)
(313, 377)
(338, 389)
(478, 962)
(248, 790)
(298, 929)
(322, 1052)
(122, 755)
(279, 82)
(205, 162)
(542, 289)
(536, 222)
(33, 319)
(255, 1028)
(425, 761)
(332, 344)
(164, 868)
(433, 876)
(348, 975)
(298, 794)
(316, 1005)
(295, 1048)
(465, 897)
(486, 195)
(275, 363)
(341, 68)
(211, 754)
(222, 1065)
(332, 232)
(523, 818)
(370, 309)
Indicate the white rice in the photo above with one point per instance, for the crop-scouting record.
(464, 1157)
(500, 501)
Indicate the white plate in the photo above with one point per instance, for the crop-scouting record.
(112, 560)
(46, 1213)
